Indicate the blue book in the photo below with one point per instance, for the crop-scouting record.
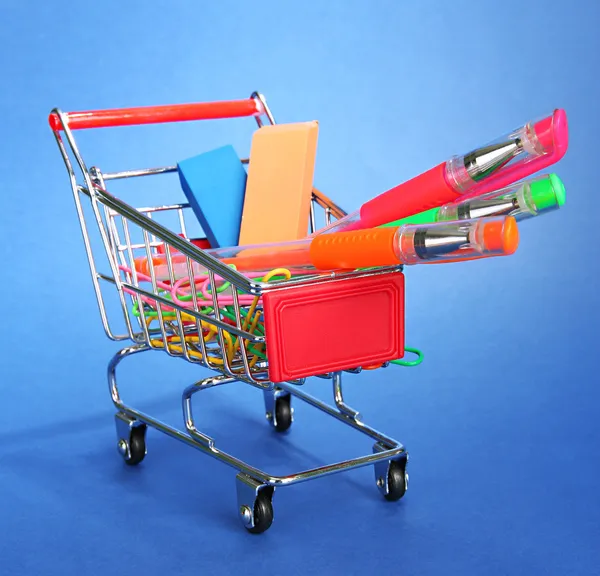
(214, 184)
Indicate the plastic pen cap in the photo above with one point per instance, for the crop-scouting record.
(514, 156)
(455, 241)
(524, 200)
(547, 193)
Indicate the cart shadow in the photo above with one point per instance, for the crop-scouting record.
(184, 484)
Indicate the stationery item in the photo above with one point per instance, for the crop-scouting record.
(214, 185)
(522, 200)
(252, 323)
(508, 159)
(416, 244)
(279, 186)
(251, 314)
(418, 360)
(401, 362)
(408, 244)
(180, 292)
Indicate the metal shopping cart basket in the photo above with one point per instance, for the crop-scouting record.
(254, 339)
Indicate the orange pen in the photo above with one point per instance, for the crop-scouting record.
(416, 244)
(409, 244)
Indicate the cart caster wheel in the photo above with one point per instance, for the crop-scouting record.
(397, 479)
(283, 413)
(263, 514)
(255, 503)
(134, 451)
(391, 475)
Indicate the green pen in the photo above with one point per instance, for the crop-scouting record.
(522, 200)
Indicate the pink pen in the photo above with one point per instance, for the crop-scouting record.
(509, 158)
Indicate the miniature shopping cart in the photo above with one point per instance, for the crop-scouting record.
(259, 338)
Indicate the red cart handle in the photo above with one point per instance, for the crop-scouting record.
(158, 114)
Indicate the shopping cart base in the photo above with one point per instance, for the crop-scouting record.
(255, 488)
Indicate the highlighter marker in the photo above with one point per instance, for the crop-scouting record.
(409, 244)
(416, 244)
(504, 161)
(522, 200)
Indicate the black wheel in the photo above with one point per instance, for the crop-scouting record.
(137, 446)
(283, 412)
(263, 514)
(397, 481)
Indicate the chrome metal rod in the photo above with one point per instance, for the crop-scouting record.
(181, 245)
(356, 424)
(147, 171)
(140, 172)
(188, 415)
(339, 398)
(151, 209)
(395, 449)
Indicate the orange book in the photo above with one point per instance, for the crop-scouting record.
(279, 185)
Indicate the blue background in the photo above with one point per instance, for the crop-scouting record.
(501, 419)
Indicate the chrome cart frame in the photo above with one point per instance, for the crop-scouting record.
(200, 333)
